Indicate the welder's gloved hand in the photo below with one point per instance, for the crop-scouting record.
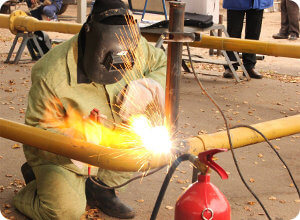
(95, 116)
(140, 96)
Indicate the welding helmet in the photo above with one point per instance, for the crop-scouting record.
(111, 36)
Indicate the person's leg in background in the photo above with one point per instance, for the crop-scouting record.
(55, 193)
(253, 28)
(51, 10)
(29, 4)
(284, 28)
(35, 11)
(293, 19)
(235, 19)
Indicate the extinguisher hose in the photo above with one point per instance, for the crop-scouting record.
(165, 184)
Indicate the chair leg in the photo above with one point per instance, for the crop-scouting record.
(130, 4)
(165, 10)
(21, 49)
(238, 59)
(144, 11)
(228, 60)
(164, 6)
(12, 48)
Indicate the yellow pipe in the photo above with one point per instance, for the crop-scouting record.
(30, 24)
(4, 21)
(249, 46)
(20, 21)
(244, 136)
(241, 45)
(104, 157)
(130, 160)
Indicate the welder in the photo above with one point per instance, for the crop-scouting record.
(81, 74)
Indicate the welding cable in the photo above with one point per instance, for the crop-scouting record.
(166, 182)
(273, 148)
(123, 184)
(228, 132)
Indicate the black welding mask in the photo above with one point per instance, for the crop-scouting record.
(111, 37)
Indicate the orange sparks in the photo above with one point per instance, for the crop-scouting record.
(138, 133)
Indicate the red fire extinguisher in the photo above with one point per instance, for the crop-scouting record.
(203, 200)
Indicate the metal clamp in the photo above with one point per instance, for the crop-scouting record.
(182, 37)
(12, 18)
(180, 147)
(211, 211)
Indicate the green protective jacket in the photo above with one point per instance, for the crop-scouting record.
(55, 91)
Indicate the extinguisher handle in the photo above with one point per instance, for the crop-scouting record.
(206, 157)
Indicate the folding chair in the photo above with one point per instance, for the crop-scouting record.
(145, 6)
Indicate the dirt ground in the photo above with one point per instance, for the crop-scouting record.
(277, 95)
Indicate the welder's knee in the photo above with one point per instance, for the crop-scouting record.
(63, 210)
(50, 207)
(61, 193)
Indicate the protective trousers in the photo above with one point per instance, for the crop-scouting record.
(289, 18)
(58, 193)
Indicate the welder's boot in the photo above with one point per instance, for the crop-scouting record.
(107, 201)
(27, 173)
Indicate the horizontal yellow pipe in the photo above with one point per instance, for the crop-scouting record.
(30, 24)
(241, 45)
(104, 157)
(4, 21)
(244, 136)
(19, 21)
(132, 160)
(249, 46)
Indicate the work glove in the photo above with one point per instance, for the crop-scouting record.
(141, 96)
(95, 116)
